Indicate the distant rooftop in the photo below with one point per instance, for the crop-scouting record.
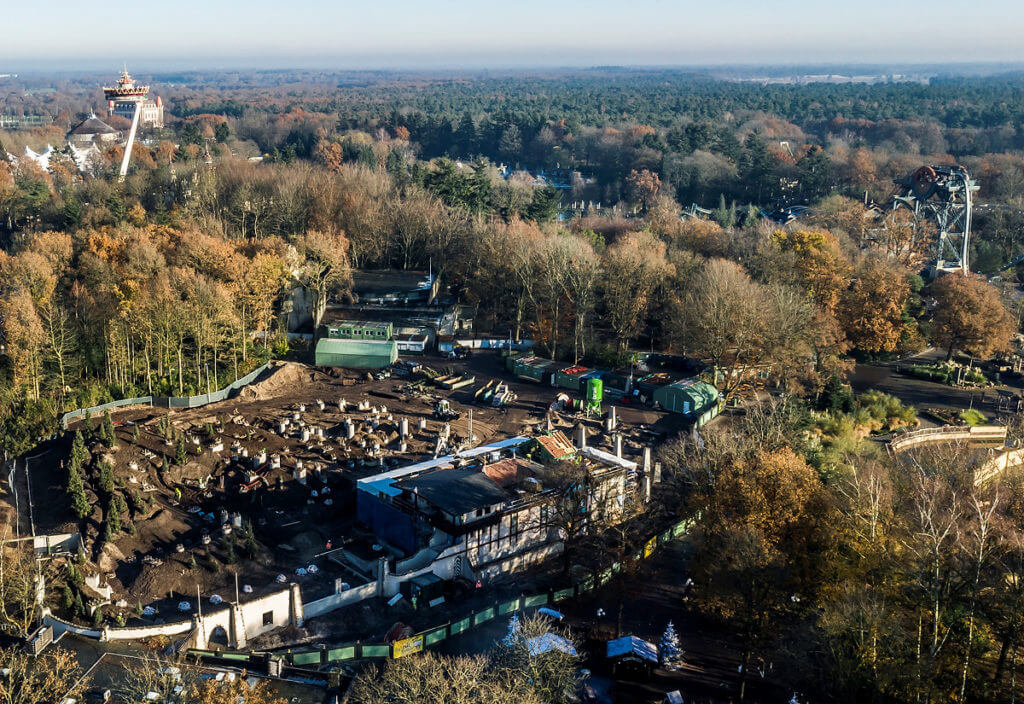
(382, 282)
(92, 125)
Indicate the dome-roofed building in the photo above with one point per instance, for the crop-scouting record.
(91, 129)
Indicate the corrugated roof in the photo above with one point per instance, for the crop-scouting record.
(556, 444)
(505, 472)
(334, 345)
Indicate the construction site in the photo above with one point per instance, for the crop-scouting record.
(246, 496)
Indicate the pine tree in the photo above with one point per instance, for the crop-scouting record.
(668, 646)
(107, 430)
(67, 598)
(76, 489)
(180, 452)
(79, 453)
(106, 477)
(80, 504)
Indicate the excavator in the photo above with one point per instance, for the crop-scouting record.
(443, 411)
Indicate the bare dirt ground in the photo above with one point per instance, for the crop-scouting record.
(178, 511)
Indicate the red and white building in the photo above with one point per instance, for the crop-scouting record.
(123, 98)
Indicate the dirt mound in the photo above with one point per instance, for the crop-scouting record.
(284, 377)
(110, 557)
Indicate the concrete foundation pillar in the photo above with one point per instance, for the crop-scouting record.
(618, 446)
(297, 616)
(382, 574)
(581, 436)
(238, 638)
(199, 628)
(403, 428)
(612, 419)
(647, 470)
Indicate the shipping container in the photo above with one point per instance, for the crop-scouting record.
(571, 377)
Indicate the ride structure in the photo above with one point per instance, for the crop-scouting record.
(942, 195)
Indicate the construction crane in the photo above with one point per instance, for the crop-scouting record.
(943, 195)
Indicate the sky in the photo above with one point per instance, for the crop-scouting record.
(432, 34)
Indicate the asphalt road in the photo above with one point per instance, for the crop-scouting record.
(921, 394)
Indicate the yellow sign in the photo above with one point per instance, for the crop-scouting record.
(408, 646)
(649, 546)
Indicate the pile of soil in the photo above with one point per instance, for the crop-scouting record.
(282, 378)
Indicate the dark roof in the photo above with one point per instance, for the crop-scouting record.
(456, 491)
(388, 281)
(92, 125)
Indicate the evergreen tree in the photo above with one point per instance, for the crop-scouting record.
(668, 646)
(724, 215)
(107, 430)
(79, 453)
(106, 478)
(67, 598)
(180, 452)
(75, 485)
(465, 135)
(544, 205)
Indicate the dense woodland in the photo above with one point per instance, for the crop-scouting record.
(172, 283)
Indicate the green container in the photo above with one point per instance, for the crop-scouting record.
(569, 378)
(595, 394)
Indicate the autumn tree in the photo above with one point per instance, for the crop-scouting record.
(969, 316)
(762, 526)
(872, 308)
(643, 186)
(324, 267)
(38, 679)
(18, 588)
(634, 267)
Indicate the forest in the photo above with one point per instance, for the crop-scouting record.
(173, 282)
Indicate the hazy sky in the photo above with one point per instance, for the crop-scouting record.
(454, 33)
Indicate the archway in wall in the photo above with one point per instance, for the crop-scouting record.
(219, 637)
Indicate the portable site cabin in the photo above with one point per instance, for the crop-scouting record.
(425, 588)
(696, 400)
(360, 330)
(412, 344)
(356, 354)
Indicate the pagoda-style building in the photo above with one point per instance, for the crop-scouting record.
(126, 95)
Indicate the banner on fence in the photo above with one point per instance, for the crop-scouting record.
(407, 646)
